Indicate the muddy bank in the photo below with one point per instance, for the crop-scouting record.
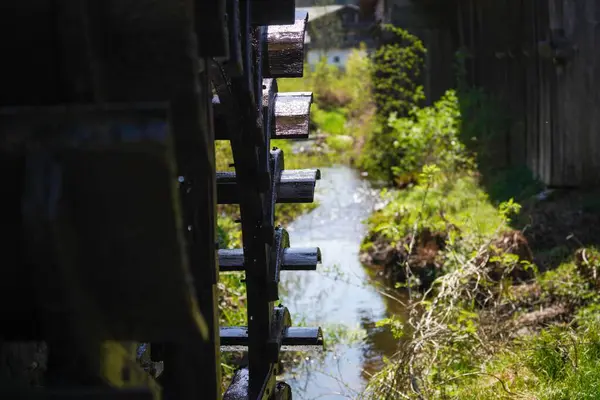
(551, 227)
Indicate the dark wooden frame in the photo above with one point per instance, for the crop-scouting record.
(130, 93)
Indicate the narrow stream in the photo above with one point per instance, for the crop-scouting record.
(340, 293)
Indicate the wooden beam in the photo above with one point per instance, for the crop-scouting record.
(298, 186)
(115, 162)
(235, 338)
(147, 50)
(273, 12)
(211, 22)
(295, 186)
(280, 243)
(75, 393)
(269, 94)
(294, 259)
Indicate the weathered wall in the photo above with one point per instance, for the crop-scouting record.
(542, 58)
(515, 50)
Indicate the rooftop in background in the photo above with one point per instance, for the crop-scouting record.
(318, 11)
(312, 3)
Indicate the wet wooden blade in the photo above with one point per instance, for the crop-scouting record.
(295, 186)
(298, 186)
(285, 49)
(280, 243)
(269, 94)
(292, 115)
(294, 259)
(287, 115)
(281, 336)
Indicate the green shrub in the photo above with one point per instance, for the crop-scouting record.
(331, 122)
(340, 143)
(458, 201)
(333, 88)
(395, 70)
(430, 135)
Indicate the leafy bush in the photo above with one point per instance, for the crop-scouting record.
(458, 202)
(334, 89)
(396, 68)
(340, 143)
(332, 122)
(430, 135)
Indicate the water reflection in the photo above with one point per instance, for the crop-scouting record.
(340, 292)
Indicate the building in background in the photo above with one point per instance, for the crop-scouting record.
(313, 3)
(333, 31)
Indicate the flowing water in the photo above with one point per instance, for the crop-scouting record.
(341, 293)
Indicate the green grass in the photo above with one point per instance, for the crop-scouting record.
(559, 363)
(456, 200)
(456, 343)
(329, 121)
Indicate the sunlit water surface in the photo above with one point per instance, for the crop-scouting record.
(340, 293)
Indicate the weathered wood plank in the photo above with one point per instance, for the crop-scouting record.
(528, 23)
(292, 115)
(287, 115)
(546, 97)
(117, 172)
(285, 49)
(74, 393)
(269, 94)
(147, 50)
(211, 22)
(295, 186)
(593, 143)
(294, 259)
(298, 186)
(516, 80)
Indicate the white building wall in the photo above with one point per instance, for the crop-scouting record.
(337, 57)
